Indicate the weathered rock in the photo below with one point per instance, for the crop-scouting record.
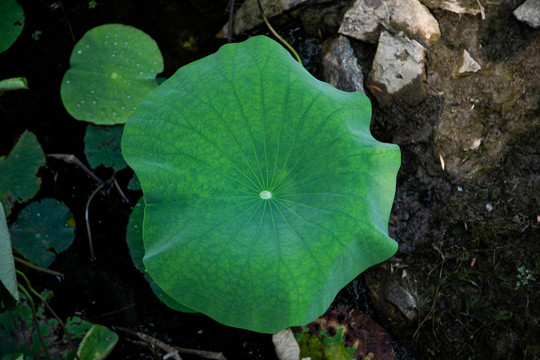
(286, 345)
(248, 16)
(393, 296)
(322, 19)
(361, 22)
(398, 71)
(468, 7)
(529, 13)
(467, 64)
(340, 66)
(364, 19)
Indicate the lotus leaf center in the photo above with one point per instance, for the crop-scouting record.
(114, 75)
(265, 194)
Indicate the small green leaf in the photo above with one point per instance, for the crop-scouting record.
(7, 265)
(102, 146)
(134, 184)
(17, 356)
(113, 68)
(11, 23)
(135, 244)
(41, 231)
(18, 171)
(97, 344)
(19, 83)
(265, 191)
(324, 347)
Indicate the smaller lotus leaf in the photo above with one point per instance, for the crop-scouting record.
(11, 23)
(40, 231)
(19, 83)
(97, 344)
(102, 146)
(135, 243)
(18, 180)
(7, 265)
(113, 68)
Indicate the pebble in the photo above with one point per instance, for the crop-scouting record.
(366, 18)
(340, 66)
(398, 70)
(529, 13)
(468, 64)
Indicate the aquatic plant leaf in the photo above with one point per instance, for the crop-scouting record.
(7, 265)
(41, 231)
(134, 184)
(102, 146)
(18, 171)
(113, 68)
(11, 23)
(19, 83)
(265, 191)
(323, 346)
(97, 344)
(134, 238)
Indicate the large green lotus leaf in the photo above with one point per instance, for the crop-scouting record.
(113, 68)
(7, 265)
(265, 191)
(102, 146)
(134, 239)
(18, 171)
(11, 23)
(41, 231)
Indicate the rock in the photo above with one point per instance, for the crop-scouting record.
(248, 16)
(286, 346)
(467, 64)
(393, 296)
(397, 73)
(529, 13)
(321, 20)
(365, 18)
(340, 67)
(361, 22)
(468, 7)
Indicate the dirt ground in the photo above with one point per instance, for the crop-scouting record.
(468, 229)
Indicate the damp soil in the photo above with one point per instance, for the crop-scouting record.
(466, 213)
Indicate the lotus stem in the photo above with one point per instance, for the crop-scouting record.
(291, 49)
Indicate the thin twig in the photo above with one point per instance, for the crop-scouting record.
(291, 49)
(72, 159)
(119, 189)
(86, 217)
(231, 20)
(37, 268)
(171, 350)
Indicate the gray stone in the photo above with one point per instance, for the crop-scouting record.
(248, 16)
(468, 7)
(365, 18)
(340, 66)
(361, 22)
(392, 292)
(529, 13)
(398, 71)
(467, 64)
